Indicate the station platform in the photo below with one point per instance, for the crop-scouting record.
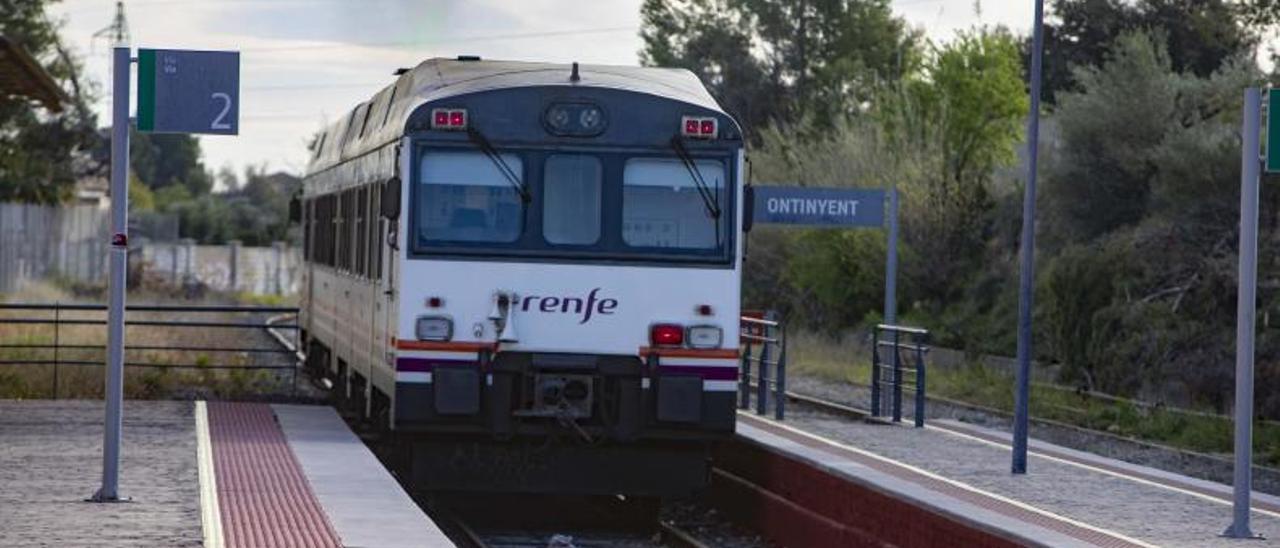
(949, 484)
(219, 475)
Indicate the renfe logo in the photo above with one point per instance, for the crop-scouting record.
(566, 305)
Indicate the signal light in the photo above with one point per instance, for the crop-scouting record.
(666, 334)
(699, 128)
(449, 118)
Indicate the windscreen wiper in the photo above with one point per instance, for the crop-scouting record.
(709, 198)
(487, 147)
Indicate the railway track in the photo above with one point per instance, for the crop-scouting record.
(666, 534)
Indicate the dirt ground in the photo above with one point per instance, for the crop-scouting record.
(51, 461)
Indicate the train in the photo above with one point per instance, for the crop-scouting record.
(530, 273)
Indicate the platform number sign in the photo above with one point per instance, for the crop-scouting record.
(182, 91)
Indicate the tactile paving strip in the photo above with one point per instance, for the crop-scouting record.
(264, 497)
(1091, 536)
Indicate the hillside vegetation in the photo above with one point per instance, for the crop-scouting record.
(1138, 210)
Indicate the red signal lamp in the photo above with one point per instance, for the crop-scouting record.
(697, 127)
(451, 119)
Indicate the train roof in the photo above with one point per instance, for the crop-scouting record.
(383, 117)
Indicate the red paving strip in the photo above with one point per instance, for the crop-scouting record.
(1063, 455)
(1014, 511)
(263, 495)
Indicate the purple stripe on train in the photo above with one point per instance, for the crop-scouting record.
(710, 373)
(425, 365)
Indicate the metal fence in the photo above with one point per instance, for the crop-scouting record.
(764, 347)
(890, 368)
(43, 241)
(58, 345)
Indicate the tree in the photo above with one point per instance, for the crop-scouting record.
(164, 159)
(37, 148)
(969, 100)
(780, 61)
(1198, 35)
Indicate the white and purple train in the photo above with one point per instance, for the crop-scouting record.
(530, 273)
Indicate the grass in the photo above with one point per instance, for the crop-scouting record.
(70, 380)
(847, 359)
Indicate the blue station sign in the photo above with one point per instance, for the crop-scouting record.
(181, 91)
(833, 207)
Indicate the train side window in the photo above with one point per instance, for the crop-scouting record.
(306, 230)
(348, 227)
(340, 230)
(361, 234)
(571, 199)
(375, 230)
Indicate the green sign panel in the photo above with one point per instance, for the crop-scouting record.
(182, 91)
(1273, 131)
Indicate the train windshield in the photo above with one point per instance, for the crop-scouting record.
(464, 197)
(662, 205)
(605, 205)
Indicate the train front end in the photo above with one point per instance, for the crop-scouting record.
(568, 293)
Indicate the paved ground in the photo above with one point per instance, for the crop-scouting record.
(1216, 468)
(1152, 514)
(51, 460)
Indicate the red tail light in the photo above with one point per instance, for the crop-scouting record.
(666, 334)
(698, 128)
(449, 118)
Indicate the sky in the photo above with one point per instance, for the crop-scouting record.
(306, 62)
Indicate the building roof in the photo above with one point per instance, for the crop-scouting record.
(441, 78)
(21, 75)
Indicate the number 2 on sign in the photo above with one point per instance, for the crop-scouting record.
(220, 121)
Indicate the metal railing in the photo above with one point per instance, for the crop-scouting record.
(762, 339)
(58, 352)
(891, 371)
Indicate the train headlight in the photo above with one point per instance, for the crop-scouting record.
(574, 119)
(705, 336)
(434, 328)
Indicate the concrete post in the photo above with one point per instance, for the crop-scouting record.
(189, 250)
(173, 263)
(277, 254)
(233, 271)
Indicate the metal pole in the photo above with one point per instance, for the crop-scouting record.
(762, 377)
(897, 377)
(1022, 390)
(920, 372)
(1245, 312)
(116, 285)
(57, 319)
(744, 384)
(780, 376)
(891, 263)
(875, 372)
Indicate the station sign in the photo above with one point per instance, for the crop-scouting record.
(184, 91)
(830, 207)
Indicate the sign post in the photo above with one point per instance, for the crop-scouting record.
(1246, 308)
(119, 256)
(178, 92)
